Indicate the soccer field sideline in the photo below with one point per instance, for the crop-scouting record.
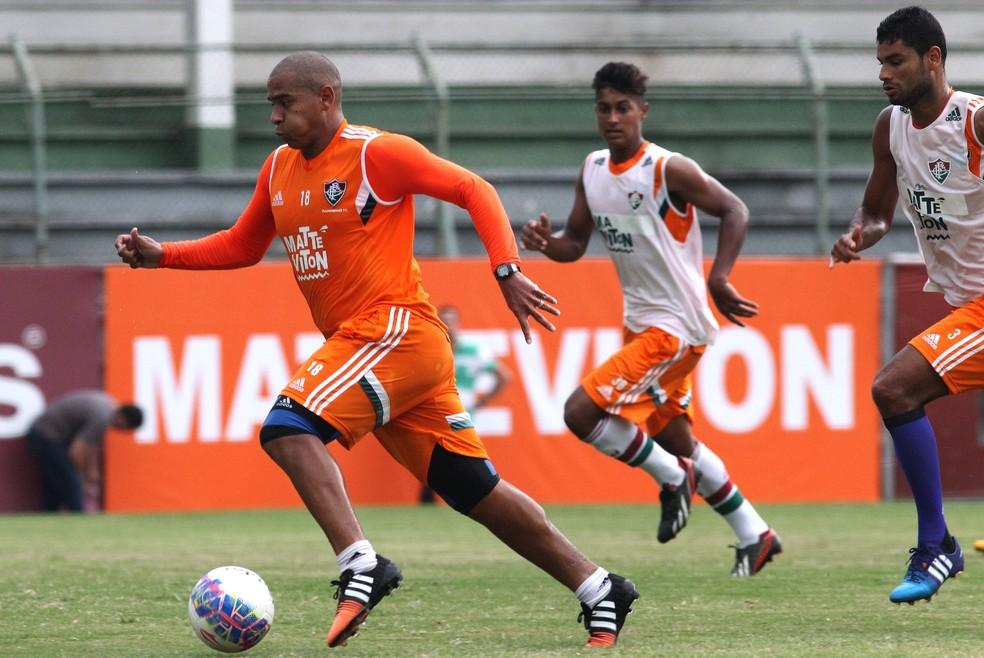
(117, 585)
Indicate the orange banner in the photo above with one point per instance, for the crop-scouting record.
(783, 401)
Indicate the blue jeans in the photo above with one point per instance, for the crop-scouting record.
(61, 486)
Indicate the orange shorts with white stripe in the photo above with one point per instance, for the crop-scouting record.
(954, 347)
(648, 381)
(389, 372)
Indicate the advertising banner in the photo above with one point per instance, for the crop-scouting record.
(784, 401)
(50, 344)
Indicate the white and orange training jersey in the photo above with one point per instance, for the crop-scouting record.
(656, 247)
(939, 178)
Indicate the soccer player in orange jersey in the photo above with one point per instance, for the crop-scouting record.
(927, 148)
(340, 198)
(635, 407)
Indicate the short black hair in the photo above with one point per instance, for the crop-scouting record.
(620, 76)
(312, 70)
(916, 27)
(132, 415)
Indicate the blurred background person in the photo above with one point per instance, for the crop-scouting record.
(480, 377)
(66, 442)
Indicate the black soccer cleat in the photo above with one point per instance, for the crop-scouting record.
(357, 594)
(675, 502)
(750, 560)
(604, 621)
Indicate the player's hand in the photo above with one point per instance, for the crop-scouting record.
(536, 233)
(731, 304)
(526, 300)
(847, 247)
(138, 250)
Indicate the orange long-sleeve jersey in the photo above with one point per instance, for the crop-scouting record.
(346, 219)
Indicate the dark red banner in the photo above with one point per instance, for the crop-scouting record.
(50, 344)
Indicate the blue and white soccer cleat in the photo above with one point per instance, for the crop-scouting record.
(929, 567)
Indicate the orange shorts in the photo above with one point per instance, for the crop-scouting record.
(389, 372)
(648, 381)
(954, 346)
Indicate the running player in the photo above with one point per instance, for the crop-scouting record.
(340, 198)
(927, 148)
(642, 199)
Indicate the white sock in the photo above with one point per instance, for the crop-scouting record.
(594, 588)
(360, 557)
(617, 437)
(716, 487)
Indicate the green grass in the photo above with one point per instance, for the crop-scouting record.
(118, 585)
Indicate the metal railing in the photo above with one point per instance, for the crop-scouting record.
(821, 141)
(441, 122)
(36, 125)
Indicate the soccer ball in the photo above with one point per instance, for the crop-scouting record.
(230, 609)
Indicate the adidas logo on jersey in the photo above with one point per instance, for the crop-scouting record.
(954, 115)
(297, 385)
(605, 391)
(932, 339)
(278, 199)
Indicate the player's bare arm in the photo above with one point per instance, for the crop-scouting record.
(138, 250)
(568, 244)
(873, 219)
(527, 300)
(687, 182)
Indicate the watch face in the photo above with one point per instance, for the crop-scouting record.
(505, 270)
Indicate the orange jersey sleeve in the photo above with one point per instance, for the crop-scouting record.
(239, 246)
(397, 165)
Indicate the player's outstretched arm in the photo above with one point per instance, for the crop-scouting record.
(527, 300)
(568, 244)
(241, 245)
(397, 166)
(138, 250)
(688, 183)
(873, 219)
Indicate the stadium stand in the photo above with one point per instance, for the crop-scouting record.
(726, 78)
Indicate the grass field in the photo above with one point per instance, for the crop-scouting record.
(118, 585)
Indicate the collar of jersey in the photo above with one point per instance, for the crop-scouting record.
(623, 167)
(317, 160)
(942, 110)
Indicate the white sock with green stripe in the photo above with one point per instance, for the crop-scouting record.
(620, 438)
(716, 487)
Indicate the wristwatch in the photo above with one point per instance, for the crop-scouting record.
(506, 270)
